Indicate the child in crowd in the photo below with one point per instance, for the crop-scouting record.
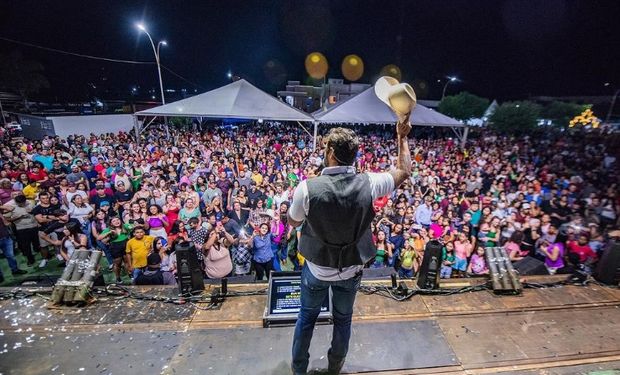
(447, 260)
(408, 258)
(478, 264)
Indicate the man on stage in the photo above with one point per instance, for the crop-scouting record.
(336, 210)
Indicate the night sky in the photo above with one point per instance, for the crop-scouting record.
(500, 49)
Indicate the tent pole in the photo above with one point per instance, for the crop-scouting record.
(458, 135)
(464, 139)
(148, 124)
(316, 126)
(166, 125)
(136, 129)
(304, 128)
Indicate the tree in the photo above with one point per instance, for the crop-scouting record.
(21, 75)
(561, 113)
(515, 117)
(463, 106)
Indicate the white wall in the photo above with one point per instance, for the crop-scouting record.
(96, 124)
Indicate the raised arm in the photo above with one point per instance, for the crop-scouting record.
(403, 165)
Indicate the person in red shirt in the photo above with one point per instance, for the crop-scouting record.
(37, 173)
(380, 202)
(581, 248)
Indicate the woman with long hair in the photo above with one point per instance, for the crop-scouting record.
(134, 215)
(156, 221)
(384, 250)
(408, 258)
(162, 247)
(73, 240)
(215, 207)
(78, 209)
(135, 174)
(144, 192)
(116, 236)
(258, 215)
(278, 231)
(158, 198)
(242, 197)
(171, 209)
(98, 224)
(178, 232)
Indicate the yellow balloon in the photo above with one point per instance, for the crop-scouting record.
(392, 71)
(352, 67)
(316, 65)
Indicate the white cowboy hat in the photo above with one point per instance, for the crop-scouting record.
(400, 97)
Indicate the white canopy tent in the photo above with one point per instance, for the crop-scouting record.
(240, 100)
(366, 108)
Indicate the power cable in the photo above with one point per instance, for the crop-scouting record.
(99, 58)
(77, 54)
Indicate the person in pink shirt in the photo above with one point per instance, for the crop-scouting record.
(478, 263)
(462, 250)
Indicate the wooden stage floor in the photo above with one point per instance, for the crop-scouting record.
(560, 330)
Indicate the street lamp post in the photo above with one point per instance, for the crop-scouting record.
(142, 28)
(450, 80)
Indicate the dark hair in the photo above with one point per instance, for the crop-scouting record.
(344, 143)
(159, 210)
(516, 237)
(153, 259)
(73, 228)
(137, 227)
(157, 239)
(193, 220)
(20, 199)
(176, 227)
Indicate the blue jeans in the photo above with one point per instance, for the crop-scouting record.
(276, 257)
(405, 274)
(313, 293)
(136, 272)
(6, 245)
(106, 250)
(393, 258)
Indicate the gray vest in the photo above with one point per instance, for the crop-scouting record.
(336, 232)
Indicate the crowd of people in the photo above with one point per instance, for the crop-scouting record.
(228, 191)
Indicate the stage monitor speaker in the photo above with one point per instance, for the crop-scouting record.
(428, 277)
(530, 266)
(608, 269)
(188, 269)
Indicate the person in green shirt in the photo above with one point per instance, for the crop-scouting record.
(447, 260)
(408, 257)
(116, 236)
(292, 178)
(384, 250)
